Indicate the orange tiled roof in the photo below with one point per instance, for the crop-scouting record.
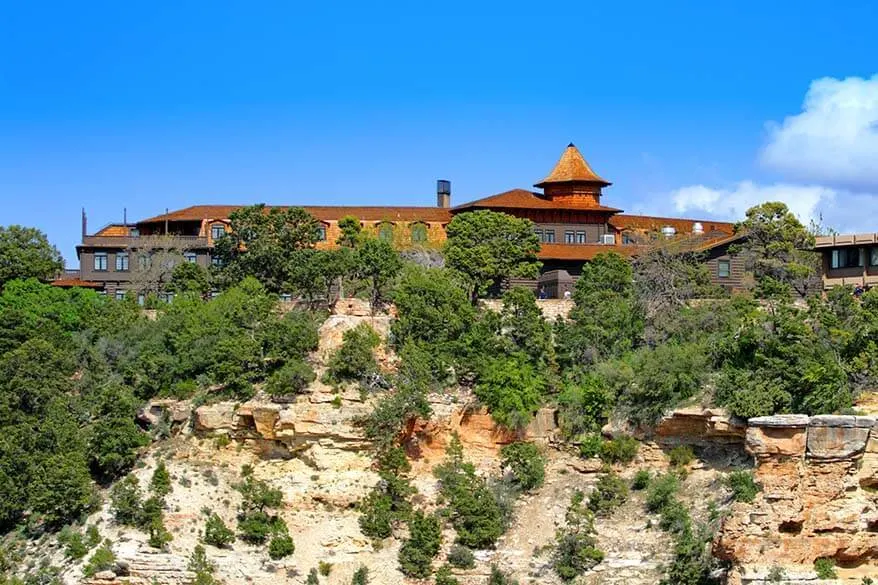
(524, 199)
(327, 213)
(572, 168)
(582, 251)
(651, 223)
(114, 229)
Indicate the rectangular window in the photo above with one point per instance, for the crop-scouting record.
(627, 240)
(569, 237)
(580, 237)
(122, 262)
(141, 299)
(724, 268)
(549, 236)
(217, 231)
(134, 233)
(216, 261)
(873, 257)
(539, 233)
(321, 233)
(190, 257)
(143, 262)
(120, 295)
(101, 261)
(847, 258)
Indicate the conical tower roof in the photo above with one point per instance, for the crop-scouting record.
(572, 168)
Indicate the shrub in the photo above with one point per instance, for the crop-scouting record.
(312, 579)
(590, 445)
(825, 568)
(661, 492)
(125, 501)
(354, 360)
(584, 407)
(526, 462)
(498, 577)
(609, 493)
(103, 559)
(681, 455)
(444, 576)
(744, 488)
(254, 523)
(461, 557)
(324, 568)
(417, 553)
(291, 378)
(575, 544)
(675, 517)
(641, 480)
(361, 576)
(92, 536)
(387, 503)
(619, 450)
(693, 563)
(160, 484)
(281, 546)
(74, 544)
(216, 533)
(777, 574)
(474, 512)
(201, 566)
(159, 536)
(512, 389)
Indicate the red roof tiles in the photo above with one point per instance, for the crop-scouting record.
(572, 168)
(327, 213)
(524, 199)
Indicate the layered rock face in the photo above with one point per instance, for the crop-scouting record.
(817, 501)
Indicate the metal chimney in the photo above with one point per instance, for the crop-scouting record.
(84, 224)
(443, 193)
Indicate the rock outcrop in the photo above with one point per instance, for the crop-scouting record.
(816, 501)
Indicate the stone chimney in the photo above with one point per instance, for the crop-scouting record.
(443, 193)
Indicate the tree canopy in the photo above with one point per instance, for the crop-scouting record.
(26, 253)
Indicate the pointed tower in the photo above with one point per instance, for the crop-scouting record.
(573, 182)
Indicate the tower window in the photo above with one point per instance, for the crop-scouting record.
(100, 263)
(217, 231)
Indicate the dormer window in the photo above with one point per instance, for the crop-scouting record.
(321, 233)
(217, 231)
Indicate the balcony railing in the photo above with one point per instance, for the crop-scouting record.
(159, 242)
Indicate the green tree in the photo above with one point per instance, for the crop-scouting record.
(351, 232)
(527, 464)
(216, 533)
(606, 320)
(262, 244)
(487, 248)
(290, 379)
(355, 358)
(576, 544)
(512, 389)
(523, 324)
(160, 484)
(26, 253)
(418, 551)
(190, 277)
(776, 250)
(377, 263)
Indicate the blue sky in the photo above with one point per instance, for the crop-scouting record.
(690, 108)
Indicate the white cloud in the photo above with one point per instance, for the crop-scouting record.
(806, 201)
(834, 140)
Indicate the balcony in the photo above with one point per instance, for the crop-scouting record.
(844, 240)
(159, 242)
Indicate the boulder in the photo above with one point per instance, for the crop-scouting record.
(215, 417)
(700, 425)
(832, 438)
(770, 441)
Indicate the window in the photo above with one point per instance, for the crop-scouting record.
(549, 236)
(190, 257)
(569, 237)
(321, 233)
(873, 257)
(724, 268)
(216, 261)
(120, 295)
(419, 233)
(286, 297)
(539, 233)
(385, 231)
(101, 261)
(144, 262)
(580, 237)
(217, 231)
(134, 233)
(628, 240)
(847, 258)
(122, 262)
(141, 299)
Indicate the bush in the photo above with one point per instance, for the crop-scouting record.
(661, 492)
(693, 563)
(526, 462)
(354, 360)
(281, 546)
(361, 576)
(159, 536)
(444, 576)
(512, 389)
(744, 488)
(584, 407)
(291, 378)
(216, 533)
(417, 553)
(681, 455)
(776, 574)
(74, 544)
(590, 445)
(609, 493)
(641, 480)
(313, 578)
(125, 502)
(619, 450)
(461, 557)
(576, 545)
(160, 484)
(201, 566)
(825, 568)
(675, 517)
(498, 577)
(387, 503)
(103, 559)
(324, 568)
